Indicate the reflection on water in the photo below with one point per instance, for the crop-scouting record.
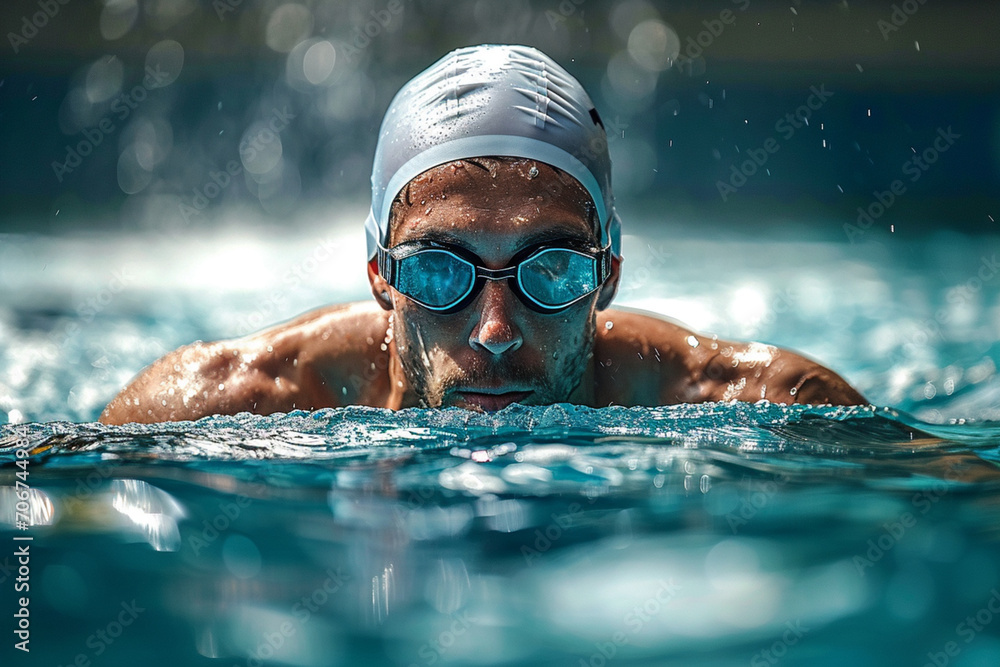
(151, 512)
(713, 534)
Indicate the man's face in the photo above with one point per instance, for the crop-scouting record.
(496, 351)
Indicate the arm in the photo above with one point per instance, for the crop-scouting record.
(204, 379)
(320, 359)
(658, 361)
(753, 371)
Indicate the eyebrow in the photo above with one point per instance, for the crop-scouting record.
(558, 235)
(543, 236)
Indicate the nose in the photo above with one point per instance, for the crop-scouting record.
(495, 331)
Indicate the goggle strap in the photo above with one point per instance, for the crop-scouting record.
(387, 266)
(603, 266)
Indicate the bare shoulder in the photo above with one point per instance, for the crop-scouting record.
(345, 350)
(650, 359)
(331, 333)
(287, 366)
(642, 358)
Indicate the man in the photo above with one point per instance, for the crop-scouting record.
(494, 254)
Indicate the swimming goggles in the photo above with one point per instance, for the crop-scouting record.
(445, 278)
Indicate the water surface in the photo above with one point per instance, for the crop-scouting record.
(697, 534)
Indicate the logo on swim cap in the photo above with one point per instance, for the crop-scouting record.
(485, 101)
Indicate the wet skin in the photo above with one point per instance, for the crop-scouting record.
(394, 353)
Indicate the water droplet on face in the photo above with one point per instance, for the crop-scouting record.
(609, 325)
(692, 341)
(222, 387)
(533, 172)
(555, 355)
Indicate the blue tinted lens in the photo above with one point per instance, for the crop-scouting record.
(558, 276)
(435, 278)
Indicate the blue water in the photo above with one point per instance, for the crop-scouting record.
(716, 534)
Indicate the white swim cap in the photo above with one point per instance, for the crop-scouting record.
(492, 100)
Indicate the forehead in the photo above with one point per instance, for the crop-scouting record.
(493, 204)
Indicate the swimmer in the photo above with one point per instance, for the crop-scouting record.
(494, 255)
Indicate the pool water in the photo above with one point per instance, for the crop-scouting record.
(715, 534)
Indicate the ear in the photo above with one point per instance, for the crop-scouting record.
(380, 288)
(610, 287)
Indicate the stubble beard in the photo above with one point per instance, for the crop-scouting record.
(432, 373)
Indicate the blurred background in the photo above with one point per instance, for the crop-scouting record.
(683, 104)
(817, 175)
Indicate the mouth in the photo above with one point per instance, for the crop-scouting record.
(488, 400)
